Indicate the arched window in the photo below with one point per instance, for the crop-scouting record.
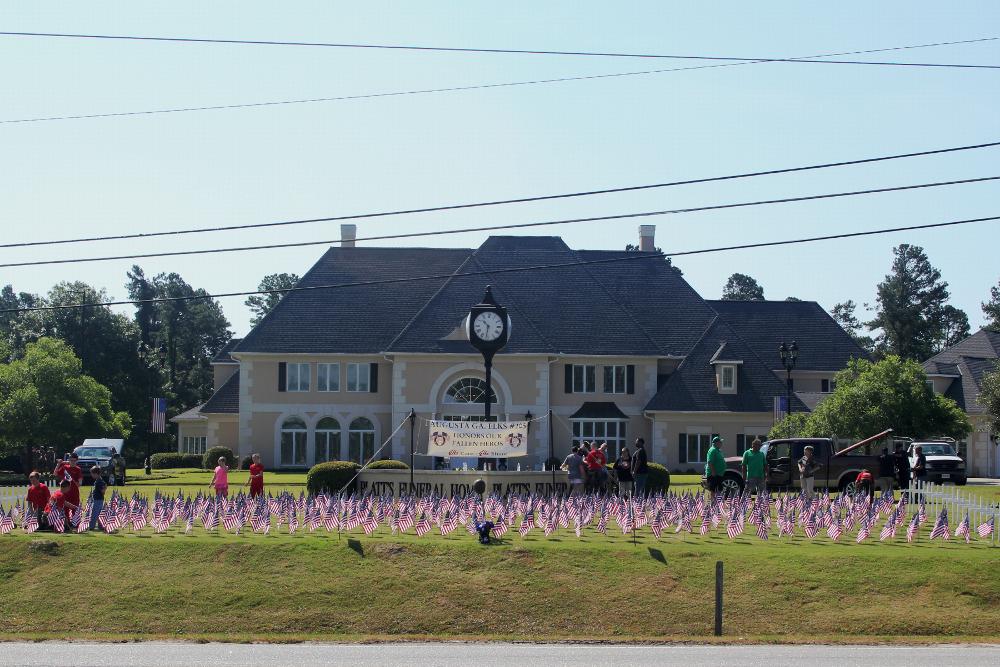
(361, 440)
(293, 442)
(327, 440)
(469, 390)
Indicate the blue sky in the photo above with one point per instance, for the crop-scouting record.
(146, 173)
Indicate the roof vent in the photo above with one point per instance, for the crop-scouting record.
(347, 235)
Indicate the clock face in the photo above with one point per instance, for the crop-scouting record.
(488, 326)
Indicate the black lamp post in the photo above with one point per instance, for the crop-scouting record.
(488, 329)
(788, 354)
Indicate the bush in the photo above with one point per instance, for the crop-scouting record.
(657, 479)
(162, 460)
(246, 462)
(388, 464)
(330, 476)
(211, 458)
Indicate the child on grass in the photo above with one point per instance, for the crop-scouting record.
(220, 481)
(256, 479)
(38, 498)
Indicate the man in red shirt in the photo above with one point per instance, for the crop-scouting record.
(597, 466)
(38, 497)
(256, 479)
(60, 500)
(71, 472)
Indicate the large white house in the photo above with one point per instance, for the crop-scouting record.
(616, 350)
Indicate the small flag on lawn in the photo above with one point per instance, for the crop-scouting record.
(158, 420)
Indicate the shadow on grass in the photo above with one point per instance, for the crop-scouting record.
(355, 545)
(657, 555)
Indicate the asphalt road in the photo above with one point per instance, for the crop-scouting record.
(162, 654)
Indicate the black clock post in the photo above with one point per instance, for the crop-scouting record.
(488, 329)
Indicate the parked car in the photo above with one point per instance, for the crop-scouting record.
(838, 471)
(97, 451)
(943, 463)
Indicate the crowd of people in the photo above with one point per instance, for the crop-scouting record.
(587, 467)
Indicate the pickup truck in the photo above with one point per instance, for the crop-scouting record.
(838, 471)
(943, 464)
(97, 451)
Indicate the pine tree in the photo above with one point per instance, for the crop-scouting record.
(991, 309)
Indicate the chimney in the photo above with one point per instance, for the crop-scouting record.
(646, 234)
(347, 235)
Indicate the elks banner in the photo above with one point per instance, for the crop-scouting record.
(482, 439)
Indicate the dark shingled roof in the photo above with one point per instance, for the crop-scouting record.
(691, 388)
(764, 325)
(599, 410)
(633, 307)
(970, 359)
(223, 356)
(226, 399)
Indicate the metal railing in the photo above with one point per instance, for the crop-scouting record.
(958, 503)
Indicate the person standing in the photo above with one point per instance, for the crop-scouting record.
(919, 464)
(597, 467)
(38, 498)
(640, 467)
(808, 465)
(623, 471)
(573, 464)
(69, 471)
(902, 466)
(256, 479)
(98, 496)
(755, 468)
(220, 480)
(886, 471)
(715, 467)
(117, 468)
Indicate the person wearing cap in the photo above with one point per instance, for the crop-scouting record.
(715, 467)
(808, 465)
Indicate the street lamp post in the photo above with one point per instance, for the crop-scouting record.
(788, 354)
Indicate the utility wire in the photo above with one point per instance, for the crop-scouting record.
(499, 202)
(535, 52)
(623, 257)
(522, 225)
(533, 82)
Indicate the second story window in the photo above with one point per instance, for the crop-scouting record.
(828, 386)
(362, 377)
(727, 379)
(298, 377)
(584, 379)
(328, 377)
(619, 379)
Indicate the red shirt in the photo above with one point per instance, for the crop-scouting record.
(38, 496)
(596, 459)
(256, 484)
(75, 475)
(59, 500)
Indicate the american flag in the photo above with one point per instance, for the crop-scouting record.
(986, 528)
(423, 525)
(762, 529)
(963, 529)
(57, 520)
(158, 418)
(834, 531)
(6, 522)
(913, 528)
(500, 527)
(941, 526)
(527, 523)
(30, 523)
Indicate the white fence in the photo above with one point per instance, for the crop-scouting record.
(958, 503)
(12, 494)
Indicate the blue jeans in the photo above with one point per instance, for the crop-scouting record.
(640, 483)
(95, 512)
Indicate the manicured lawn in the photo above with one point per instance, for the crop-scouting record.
(319, 586)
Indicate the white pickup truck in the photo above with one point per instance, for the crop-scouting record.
(943, 463)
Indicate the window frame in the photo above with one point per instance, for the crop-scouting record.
(363, 435)
(615, 442)
(357, 366)
(732, 387)
(830, 384)
(332, 371)
(294, 369)
(333, 449)
(194, 444)
(587, 378)
(294, 434)
(611, 379)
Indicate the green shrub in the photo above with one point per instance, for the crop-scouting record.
(245, 463)
(162, 460)
(388, 464)
(657, 479)
(211, 458)
(330, 476)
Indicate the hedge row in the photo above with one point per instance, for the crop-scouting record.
(332, 476)
(163, 460)
(212, 456)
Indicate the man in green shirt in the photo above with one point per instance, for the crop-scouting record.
(755, 468)
(715, 467)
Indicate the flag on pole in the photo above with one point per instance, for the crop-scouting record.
(158, 419)
(986, 528)
(940, 529)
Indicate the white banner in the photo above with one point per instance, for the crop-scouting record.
(481, 439)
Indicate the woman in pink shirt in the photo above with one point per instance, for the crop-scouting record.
(220, 482)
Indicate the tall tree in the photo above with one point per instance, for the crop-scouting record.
(741, 287)
(261, 304)
(989, 396)
(17, 329)
(631, 247)
(911, 301)
(991, 309)
(843, 314)
(954, 327)
(873, 396)
(47, 399)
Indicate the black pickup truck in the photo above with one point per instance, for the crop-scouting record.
(838, 471)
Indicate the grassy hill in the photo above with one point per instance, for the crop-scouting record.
(314, 586)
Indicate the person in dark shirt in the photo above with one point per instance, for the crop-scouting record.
(623, 471)
(98, 496)
(920, 465)
(902, 467)
(886, 471)
(640, 467)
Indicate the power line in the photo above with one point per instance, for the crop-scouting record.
(624, 257)
(425, 91)
(499, 202)
(522, 225)
(535, 52)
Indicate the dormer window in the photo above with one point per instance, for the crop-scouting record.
(727, 378)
